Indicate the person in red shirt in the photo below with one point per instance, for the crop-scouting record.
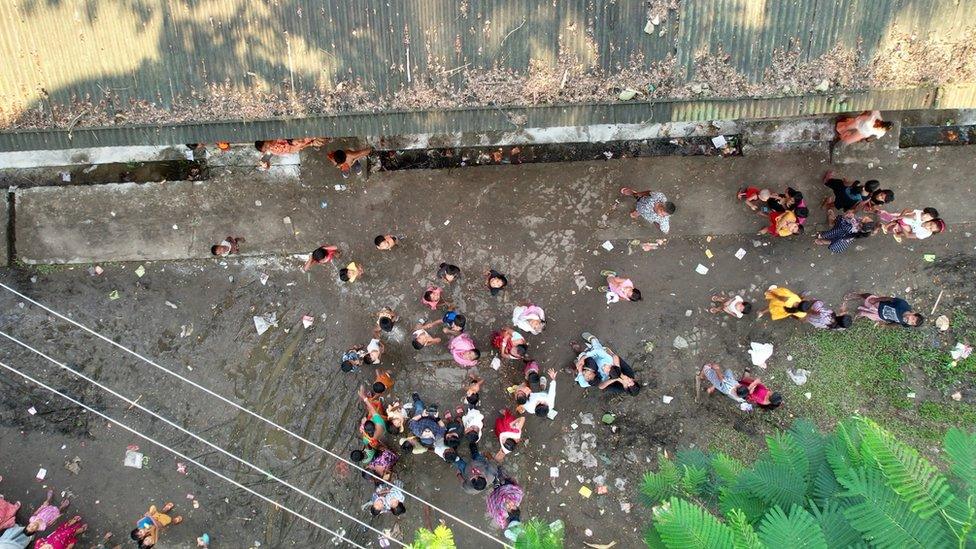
(508, 429)
(754, 392)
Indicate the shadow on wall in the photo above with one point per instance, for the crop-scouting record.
(123, 62)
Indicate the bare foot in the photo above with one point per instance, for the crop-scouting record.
(168, 507)
(634, 214)
(626, 191)
(177, 520)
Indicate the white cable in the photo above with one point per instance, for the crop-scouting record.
(250, 413)
(178, 454)
(194, 435)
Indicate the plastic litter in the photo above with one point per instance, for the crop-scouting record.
(627, 94)
(719, 141)
(740, 253)
(608, 418)
(496, 363)
(667, 399)
(140, 271)
(554, 472)
(961, 351)
(798, 376)
(113, 295)
(583, 491)
(73, 466)
(307, 321)
(701, 269)
(32, 411)
(41, 473)
(760, 353)
(942, 323)
(607, 245)
(929, 257)
(265, 321)
(133, 458)
(680, 343)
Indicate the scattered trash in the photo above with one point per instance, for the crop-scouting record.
(667, 399)
(496, 363)
(625, 507)
(583, 491)
(133, 458)
(608, 418)
(65, 176)
(808, 395)
(798, 376)
(265, 321)
(648, 346)
(73, 465)
(680, 343)
(286, 220)
(264, 278)
(140, 271)
(688, 312)
(586, 418)
(171, 305)
(340, 187)
(32, 411)
(942, 323)
(203, 541)
(33, 279)
(602, 489)
(113, 295)
(323, 204)
(911, 395)
(823, 86)
(176, 227)
(554, 472)
(257, 203)
(708, 253)
(627, 94)
(181, 469)
(760, 353)
(607, 245)
(957, 396)
(648, 246)
(701, 269)
(929, 257)
(961, 351)
(186, 330)
(196, 504)
(649, 27)
(307, 321)
(719, 141)
(552, 414)
(41, 473)
(447, 222)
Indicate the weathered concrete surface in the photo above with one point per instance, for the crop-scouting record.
(180, 220)
(4, 222)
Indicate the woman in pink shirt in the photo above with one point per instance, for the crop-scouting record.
(618, 288)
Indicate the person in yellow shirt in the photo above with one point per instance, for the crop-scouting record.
(783, 303)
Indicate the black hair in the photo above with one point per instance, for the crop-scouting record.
(357, 455)
(867, 229)
(542, 410)
(213, 249)
(799, 229)
(379, 239)
(479, 483)
(477, 353)
(633, 389)
(472, 399)
(344, 274)
(790, 191)
(802, 212)
(446, 269)
(804, 305)
(417, 344)
(931, 211)
(886, 125)
(368, 359)
(406, 445)
(742, 391)
(339, 156)
(669, 207)
(429, 295)
(259, 145)
(515, 516)
(843, 321)
(450, 454)
(509, 444)
(522, 348)
(374, 511)
(590, 363)
(533, 377)
(746, 307)
(872, 185)
(135, 535)
(318, 254)
(635, 295)
(521, 398)
(614, 372)
(921, 319)
(472, 436)
(775, 399)
(386, 323)
(378, 387)
(399, 509)
(459, 321)
(889, 195)
(369, 427)
(346, 366)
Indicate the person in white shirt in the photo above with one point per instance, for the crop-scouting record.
(474, 422)
(540, 403)
(732, 306)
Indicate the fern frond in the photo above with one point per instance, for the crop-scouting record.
(825, 485)
(842, 448)
(659, 486)
(960, 446)
(776, 484)
(806, 435)
(837, 530)
(786, 451)
(796, 530)
(884, 519)
(536, 534)
(739, 498)
(743, 534)
(684, 525)
(694, 481)
(693, 457)
(910, 475)
(727, 469)
(439, 538)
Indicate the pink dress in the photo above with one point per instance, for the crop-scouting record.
(8, 513)
(459, 345)
(46, 515)
(618, 285)
(435, 293)
(62, 537)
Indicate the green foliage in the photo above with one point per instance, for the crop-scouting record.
(440, 538)
(536, 534)
(858, 486)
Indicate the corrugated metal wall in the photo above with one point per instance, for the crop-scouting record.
(156, 50)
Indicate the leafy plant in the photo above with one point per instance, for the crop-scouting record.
(440, 538)
(536, 534)
(858, 486)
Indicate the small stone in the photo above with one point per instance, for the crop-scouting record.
(942, 323)
(680, 343)
(957, 396)
(823, 86)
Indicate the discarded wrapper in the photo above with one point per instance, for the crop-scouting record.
(113, 295)
(32, 411)
(607, 245)
(585, 491)
(307, 321)
(740, 253)
(133, 459)
(667, 399)
(719, 141)
(264, 278)
(496, 363)
(41, 473)
(554, 472)
(701, 269)
(961, 351)
(140, 271)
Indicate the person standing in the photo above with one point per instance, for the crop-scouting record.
(652, 206)
(529, 317)
(348, 160)
(464, 350)
(783, 303)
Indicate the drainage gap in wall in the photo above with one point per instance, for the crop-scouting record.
(141, 172)
(930, 136)
(414, 159)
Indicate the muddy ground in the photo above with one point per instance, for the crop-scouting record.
(543, 225)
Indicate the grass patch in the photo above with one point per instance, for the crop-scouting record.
(864, 371)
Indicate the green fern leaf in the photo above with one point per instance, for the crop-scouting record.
(694, 457)
(659, 486)
(727, 469)
(806, 435)
(784, 450)
(837, 530)
(825, 485)
(694, 480)
(910, 475)
(739, 498)
(960, 446)
(536, 534)
(744, 536)
(440, 538)
(796, 530)
(684, 525)
(842, 448)
(776, 484)
(883, 519)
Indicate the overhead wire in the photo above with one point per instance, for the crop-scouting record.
(179, 454)
(135, 404)
(251, 413)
